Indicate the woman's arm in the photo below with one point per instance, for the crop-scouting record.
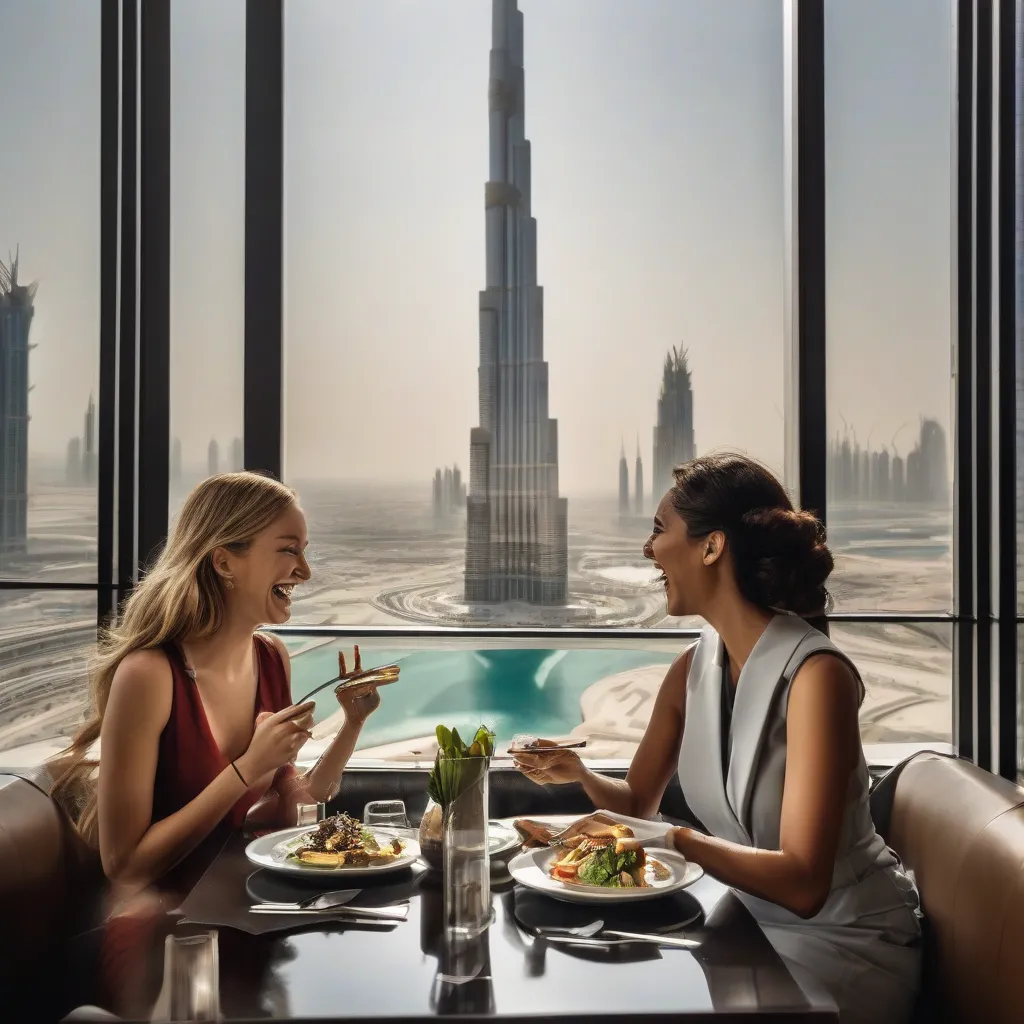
(639, 794)
(321, 782)
(133, 850)
(822, 749)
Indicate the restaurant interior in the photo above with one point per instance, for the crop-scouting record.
(214, 214)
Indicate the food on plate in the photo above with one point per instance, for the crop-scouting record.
(341, 841)
(533, 833)
(613, 860)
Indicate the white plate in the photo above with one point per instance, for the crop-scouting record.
(531, 869)
(270, 852)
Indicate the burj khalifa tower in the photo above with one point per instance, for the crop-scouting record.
(516, 522)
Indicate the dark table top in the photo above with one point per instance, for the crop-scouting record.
(329, 971)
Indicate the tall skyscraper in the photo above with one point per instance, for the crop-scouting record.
(639, 487)
(623, 483)
(673, 434)
(89, 462)
(213, 458)
(16, 312)
(516, 524)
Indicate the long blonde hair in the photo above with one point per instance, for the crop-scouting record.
(180, 597)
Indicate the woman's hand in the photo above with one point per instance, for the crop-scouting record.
(555, 768)
(358, 703)
(276, 740)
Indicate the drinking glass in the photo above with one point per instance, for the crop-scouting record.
(310, 814)
(386, 814)
(191, 988)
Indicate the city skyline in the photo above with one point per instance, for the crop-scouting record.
(706, 176)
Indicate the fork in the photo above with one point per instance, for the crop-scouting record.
(560, 838)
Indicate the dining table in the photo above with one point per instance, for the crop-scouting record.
(700, 956)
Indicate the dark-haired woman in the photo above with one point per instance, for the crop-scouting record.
(759, 717)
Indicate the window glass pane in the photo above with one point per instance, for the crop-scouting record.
(908, 675)
(207, 240)
(46, 638)
(889, 139)
(603, 694)
(49, 288)
(600, 692)
(496, 260)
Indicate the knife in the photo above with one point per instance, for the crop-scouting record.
(384, 914)
(660, 940)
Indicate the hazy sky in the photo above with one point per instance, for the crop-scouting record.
(657, 152)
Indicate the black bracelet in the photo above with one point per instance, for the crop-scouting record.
(239, 774)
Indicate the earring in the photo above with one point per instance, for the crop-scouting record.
(229, 583)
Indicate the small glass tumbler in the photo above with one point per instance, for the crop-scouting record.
(310, 814)
(192, 977)
(385, 814)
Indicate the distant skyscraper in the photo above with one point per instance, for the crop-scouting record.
(89, 444)
(16, 312)
(516, 526)
(456, 488)
(861, 475)
(73, 465)
(639, 487)
(213, 458)
(934, 464)
(623, 483)
(438, 494)
(176, 461)
(237, 455)
(673, 435)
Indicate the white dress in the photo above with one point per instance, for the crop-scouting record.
(865, 944)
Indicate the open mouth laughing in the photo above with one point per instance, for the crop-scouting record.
(283, 591)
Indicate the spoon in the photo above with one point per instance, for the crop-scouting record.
(583, 931)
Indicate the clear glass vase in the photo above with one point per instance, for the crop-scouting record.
(467, 864)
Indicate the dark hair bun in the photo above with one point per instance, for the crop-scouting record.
(782, 560)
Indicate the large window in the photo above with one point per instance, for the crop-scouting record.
(49, 359)
(49, 290)
(646, 144)
(889, 143)
(526, 265)
(207, 239)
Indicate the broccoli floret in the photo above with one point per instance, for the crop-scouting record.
(603, 867)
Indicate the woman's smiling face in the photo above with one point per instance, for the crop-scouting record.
(680, 558)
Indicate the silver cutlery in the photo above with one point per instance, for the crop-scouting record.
(337, 898)
(660, 940)
(336, 919)
(595, 934)
(385, 914)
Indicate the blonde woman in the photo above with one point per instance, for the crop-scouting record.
(191, 705)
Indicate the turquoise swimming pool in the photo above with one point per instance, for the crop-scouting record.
(511, 691)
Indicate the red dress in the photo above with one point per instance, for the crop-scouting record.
(188, 761)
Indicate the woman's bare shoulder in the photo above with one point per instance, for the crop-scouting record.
(674, 684)
(142, 685)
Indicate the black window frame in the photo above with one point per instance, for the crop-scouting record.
(134, 258)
